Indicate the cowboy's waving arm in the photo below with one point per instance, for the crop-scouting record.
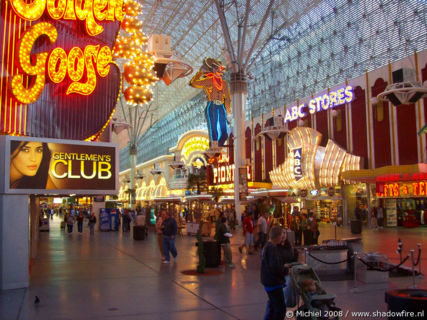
(200, 81)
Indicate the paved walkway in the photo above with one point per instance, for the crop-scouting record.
(111, 276)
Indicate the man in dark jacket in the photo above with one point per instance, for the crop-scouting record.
(223, 237)
(273, 272)
(170, 229)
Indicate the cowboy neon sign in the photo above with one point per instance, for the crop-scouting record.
(323, 102)
(57, 64)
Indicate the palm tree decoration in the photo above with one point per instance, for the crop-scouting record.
(200, 250)
(216, 193)
(197, 181)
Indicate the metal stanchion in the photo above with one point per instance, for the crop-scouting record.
(335, 227)
(413, 269)
(355, 289)
(420, 275)
(399, 248)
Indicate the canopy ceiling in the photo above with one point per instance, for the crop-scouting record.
(196, 33)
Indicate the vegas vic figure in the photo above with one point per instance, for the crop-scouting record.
(209, 78)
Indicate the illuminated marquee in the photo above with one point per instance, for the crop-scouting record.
(194, 146)
(324, 102)
(297, 163)
(402, 189)
(89, 11)
(309, 165)
(100, 169)
(223, 173)
(91, 60)
(54, 166)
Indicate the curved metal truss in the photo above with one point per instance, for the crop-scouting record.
(310, 46)
(340, 39)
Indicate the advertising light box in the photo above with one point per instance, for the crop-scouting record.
(51, 166)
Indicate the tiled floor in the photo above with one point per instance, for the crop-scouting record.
(111, 276)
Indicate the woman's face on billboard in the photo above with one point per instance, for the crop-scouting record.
(28, 158)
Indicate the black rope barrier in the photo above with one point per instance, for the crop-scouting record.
(383, 270)
(419, 257)
(325, 262)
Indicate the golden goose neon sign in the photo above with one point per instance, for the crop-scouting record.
(92, 60)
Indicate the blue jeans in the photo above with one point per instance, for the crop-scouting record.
(262, 239)
(216, 117)
(92, 228)
(276, 308)
(169, 245)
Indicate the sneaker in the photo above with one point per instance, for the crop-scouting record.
(166, 261)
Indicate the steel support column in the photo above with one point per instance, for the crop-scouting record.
(239, 93)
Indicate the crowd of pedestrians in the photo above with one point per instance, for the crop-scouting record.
(305, 227)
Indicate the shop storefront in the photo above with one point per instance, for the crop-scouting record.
(405, 202)
(400, 190)
(312, 174)
(326, 204)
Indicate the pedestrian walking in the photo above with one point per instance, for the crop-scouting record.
(248, 228)
(380, 216)
(80, 222)
(170, 229)
(223, 237)
(159, 233)
(314, 228)
(373, 217)
(306, 232)
(262, 231)
(70, 223)
(273, 272)
(92, 222)
(296, 228)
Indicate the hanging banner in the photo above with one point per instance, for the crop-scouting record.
(243, 183)
(49, 166)
(391, 212)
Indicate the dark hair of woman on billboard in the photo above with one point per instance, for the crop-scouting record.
(29, 165)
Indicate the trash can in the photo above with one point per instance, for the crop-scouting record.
(139, 232)
(356, 226)
(409, 300)
(212, 252)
